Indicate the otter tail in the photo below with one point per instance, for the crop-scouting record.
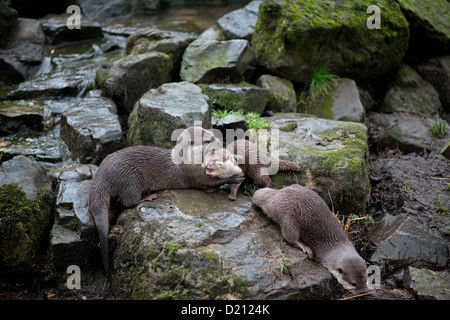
(99, 207)
(285, 165)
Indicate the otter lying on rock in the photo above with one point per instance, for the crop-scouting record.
(307, 222)
(251, 160)
(132, 172)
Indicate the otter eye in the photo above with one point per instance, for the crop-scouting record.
(340, 270)
(353, 284)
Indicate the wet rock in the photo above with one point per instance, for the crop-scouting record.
(8, 20)
(282, 97)
(42, 146)
(172, 43)
(341, 103)
(332, 156)
(410, 93)
(240, 23)
(74, 235)
(408, 132)
(27, 202)
(206, 61)
(161, 111)
(403, 241)
(427, 284)
(56, 31)
(16, 114)
(129, 77)
(91, 129)
(292, 39)
(437, 72)
(189, 244)
(429, 26)
(246, 97)
(445, 151)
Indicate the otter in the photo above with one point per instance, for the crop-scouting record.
(134, 171)
(251, 159)
(307, 222)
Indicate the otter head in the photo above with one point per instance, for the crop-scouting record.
(221, 163)
(261, 196)
(351, 273)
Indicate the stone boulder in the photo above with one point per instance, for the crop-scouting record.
(437, 72)
(91, 129)
(126, 79)
(332, 156)
(14, 115)
(282, 97)
(427, 284)
(56, 31)
(429, 24)
(402, 241)
(245, 97)
(26, 207)
(189, 244)
(342, 103)
(410, 93)
(206, 61)
(292, 38)
(73, 238)
(161, 111)
(409, 132)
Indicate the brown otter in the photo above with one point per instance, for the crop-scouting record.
(131, 172)
(307, 222)
(251, 159)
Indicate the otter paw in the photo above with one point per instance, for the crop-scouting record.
(305, 249)
(210, 190)
(150, 197)
(232, 197)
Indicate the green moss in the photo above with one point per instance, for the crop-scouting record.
(22, 226)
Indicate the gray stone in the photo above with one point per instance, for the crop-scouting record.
(411, 94)
(230, 122)
(240, 23)
(16, 114)
(126, 79)
(409, 132)
(160, 111)
(206, 61)
(203, 242)
(7, 22)
(403, 241)
(427, 284)
(282, 97)
(245, 97)
(74, 235)
(91, 129)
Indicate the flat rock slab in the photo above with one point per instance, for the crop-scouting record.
(208, 248)
(161, 111)
(403, 241)
(427, 284)
(91, 129)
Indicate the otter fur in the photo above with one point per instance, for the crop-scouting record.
(307, 222)
(251, 159)
(132, 172)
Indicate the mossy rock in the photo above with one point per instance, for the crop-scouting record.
(332, 156)
(24, 227)
(292, 38)
(8, 20)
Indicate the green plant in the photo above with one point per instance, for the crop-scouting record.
(321, 82)
(255, 122)
(285, 267)
(218, 113)
(440, 208)
(439, 129)
(250, 188)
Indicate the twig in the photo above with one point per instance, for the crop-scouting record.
(358, 295)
